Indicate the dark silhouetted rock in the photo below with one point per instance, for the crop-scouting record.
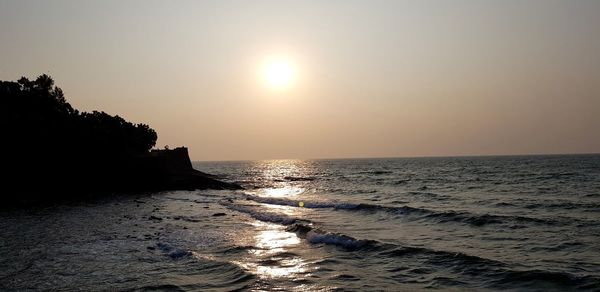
(52, 151)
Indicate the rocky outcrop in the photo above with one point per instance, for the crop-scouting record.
(172, 169)
(158, 170)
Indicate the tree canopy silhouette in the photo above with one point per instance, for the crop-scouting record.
(36, 114)
(46, 138)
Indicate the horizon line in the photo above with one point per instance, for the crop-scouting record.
(409, 157)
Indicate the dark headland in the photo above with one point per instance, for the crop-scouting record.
(51, 151)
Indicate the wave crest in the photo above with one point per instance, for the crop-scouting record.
(418, 213)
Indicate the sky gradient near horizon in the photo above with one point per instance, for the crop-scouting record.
(373, 78)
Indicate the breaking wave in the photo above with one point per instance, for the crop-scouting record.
(417, 213)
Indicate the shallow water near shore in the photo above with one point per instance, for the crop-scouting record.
(469, 223)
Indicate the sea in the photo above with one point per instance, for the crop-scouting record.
(505, 223)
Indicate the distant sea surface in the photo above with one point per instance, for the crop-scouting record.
(527, 223)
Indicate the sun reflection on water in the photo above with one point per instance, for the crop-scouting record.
(287, 191)
(279, 169)
(274, 238)
(286, 268)
(277, 253)
(286, 210)
(273, 257)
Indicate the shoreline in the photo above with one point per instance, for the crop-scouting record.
(157, 171)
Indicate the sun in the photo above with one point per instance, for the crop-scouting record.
(278, 74)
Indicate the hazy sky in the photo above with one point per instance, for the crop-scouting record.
(373, 78)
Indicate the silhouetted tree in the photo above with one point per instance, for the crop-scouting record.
(40, 129)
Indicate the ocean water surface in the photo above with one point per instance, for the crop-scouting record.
(465, 223)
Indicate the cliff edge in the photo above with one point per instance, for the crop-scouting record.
(172, 169)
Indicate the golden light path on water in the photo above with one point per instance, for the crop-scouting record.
(271, 258)
(273, 240)
(274, 257)
(285, 192)
(280, 254)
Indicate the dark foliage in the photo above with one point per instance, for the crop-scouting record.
(49, 146)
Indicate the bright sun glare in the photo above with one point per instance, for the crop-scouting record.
(278, 74)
